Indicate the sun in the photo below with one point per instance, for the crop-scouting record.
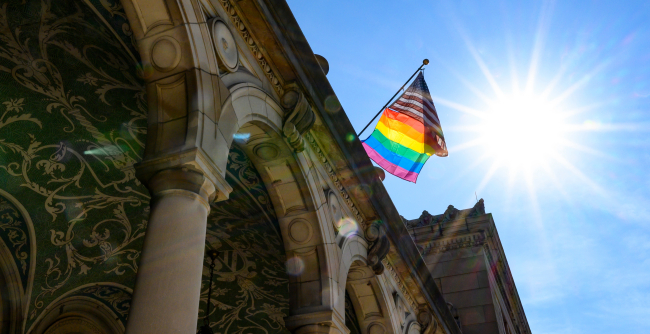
(522, 130)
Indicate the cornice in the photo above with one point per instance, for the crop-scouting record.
(435, 247)
(332, 174)
(253, 45)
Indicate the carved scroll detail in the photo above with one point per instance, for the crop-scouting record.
(376, 233)
(427, 321)
(253, 46)
(300, 118)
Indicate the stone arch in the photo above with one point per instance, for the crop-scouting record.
(77, 314)
(371, 301)
(376, 308)
(11, 294)
(15, 281)
(197, 109)
(252, 120)
(412, 326)
(354, 250)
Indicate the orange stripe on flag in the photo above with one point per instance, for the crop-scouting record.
(408, 126)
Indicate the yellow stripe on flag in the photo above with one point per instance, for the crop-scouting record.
(404, 140)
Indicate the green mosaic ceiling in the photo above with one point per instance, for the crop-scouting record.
(250, 291)
(72, 125)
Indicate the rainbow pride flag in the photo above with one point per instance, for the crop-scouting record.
(407, 134)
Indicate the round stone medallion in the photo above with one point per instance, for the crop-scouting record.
(165, 54)
(300, 231)
(376, 329)
(266, 151)
(225, 46)
(335, 209)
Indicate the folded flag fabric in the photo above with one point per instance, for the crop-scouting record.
(407, 134)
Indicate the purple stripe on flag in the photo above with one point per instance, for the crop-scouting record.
(390, 167)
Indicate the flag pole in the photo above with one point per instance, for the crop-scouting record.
(424, 62)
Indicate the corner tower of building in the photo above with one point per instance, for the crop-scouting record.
(463, 251)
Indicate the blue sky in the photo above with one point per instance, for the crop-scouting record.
(574, 215)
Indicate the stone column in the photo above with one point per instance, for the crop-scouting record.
(318, 322)
(168, 284)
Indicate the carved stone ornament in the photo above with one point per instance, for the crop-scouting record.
(376, 233)
(335, 209)
(425, 219)
(402, 310)
(427, 321)
(465, 241)
(224, 46)
(400, 284)
(337, 183)
(450, 214)
(478, 209)
(299, 118)
(257, 51)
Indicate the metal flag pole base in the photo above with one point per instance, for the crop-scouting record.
(424, 62)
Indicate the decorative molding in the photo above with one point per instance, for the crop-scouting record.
(376, 234)
(441, 246)
(335, 179)
(400, 284)
(224, 45)
(427, 320)
(252, 45)
(299, 119)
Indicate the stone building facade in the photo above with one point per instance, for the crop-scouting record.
(463, 251)
(137, 135)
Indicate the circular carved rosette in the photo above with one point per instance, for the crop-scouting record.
(165, 54)
(335, 210)
(225, 46)
(300, 231)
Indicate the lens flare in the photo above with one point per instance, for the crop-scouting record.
(347, 226)
(144, 70)
(241, 138)
(350, 137)
(295, 266)
(332, 104)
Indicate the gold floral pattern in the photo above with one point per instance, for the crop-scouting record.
(72, 125)
(250, 292)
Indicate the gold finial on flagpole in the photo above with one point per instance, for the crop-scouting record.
(425, 61)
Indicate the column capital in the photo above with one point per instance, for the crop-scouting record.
(182, 179)
(320, 322)
(193, 160)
